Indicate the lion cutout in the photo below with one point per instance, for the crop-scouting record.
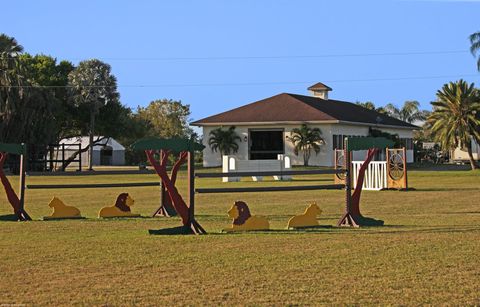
(62, 211)
(243, 220)
(120, 209)
(307, 219)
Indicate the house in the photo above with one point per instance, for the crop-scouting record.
(265, 126)
(107, 152)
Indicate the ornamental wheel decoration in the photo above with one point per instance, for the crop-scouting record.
(340, 164)
(396, 170)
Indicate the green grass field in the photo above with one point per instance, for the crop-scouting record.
(428, 252)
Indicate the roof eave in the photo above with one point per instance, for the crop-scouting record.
(413, 127)
(330, 121)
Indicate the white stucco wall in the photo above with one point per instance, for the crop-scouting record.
(324, 158)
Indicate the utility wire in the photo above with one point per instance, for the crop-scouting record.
(251, 83)
(274, 57)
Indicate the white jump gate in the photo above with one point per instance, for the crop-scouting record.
(375, 175)
(232, 165)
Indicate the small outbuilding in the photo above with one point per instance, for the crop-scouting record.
(107, 151)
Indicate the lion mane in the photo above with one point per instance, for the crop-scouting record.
(243, 213)
(121, 202)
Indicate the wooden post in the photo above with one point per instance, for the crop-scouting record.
(404, 151)
(348, 179)
(80, 157)
(63, 157)
(22, 179)
(191, 187)
(348, 219)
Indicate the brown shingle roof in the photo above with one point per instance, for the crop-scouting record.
(298, 108)
(319, 86)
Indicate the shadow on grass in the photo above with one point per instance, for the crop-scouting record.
(460, 212)
(446, 189)
(8, 218)
(430, 230)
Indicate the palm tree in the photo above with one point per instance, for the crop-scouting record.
(454, 120)
(475, 46)
(9, 46)
(224, 141)
(92, 85)
(410, 112)
(305, 139)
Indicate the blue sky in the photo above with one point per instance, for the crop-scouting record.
(216, 55)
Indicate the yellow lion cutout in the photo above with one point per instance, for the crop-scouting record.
(243, 220)
(62, 211)
(120, 209)
(307, 219)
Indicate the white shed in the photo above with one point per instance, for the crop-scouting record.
(107, 152)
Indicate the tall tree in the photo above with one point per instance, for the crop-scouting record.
(224, 141)
(168, 118)
(475, 46)
(93, 86)
(51, 79)
(455, 118)
(409, 112)
(306, 139)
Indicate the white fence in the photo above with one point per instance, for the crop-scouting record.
(375, 175)
(230, 164)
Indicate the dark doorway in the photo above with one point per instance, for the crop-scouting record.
(106, 154)
(266, 144)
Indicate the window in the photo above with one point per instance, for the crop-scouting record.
(407, 143)
(266, 144)
(337, 141)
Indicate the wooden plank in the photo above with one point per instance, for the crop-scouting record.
(272, 173)
(191, 188)
(366, 142)
(92, 185)
(23, 167)
(270, 189)
(92, 173)
(16, 149)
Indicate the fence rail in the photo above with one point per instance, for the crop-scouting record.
(271, 173)
(270, 189)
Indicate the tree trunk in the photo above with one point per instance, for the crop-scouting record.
(306, 156)
(90, 143)
(473, 164)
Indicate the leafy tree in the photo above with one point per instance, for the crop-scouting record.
(167, 118)
(93, 87)
(224, 141)
(475, 46)
(455, 118)
(29, 105)
(409, 112)
(51, 79)
(306, 139)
